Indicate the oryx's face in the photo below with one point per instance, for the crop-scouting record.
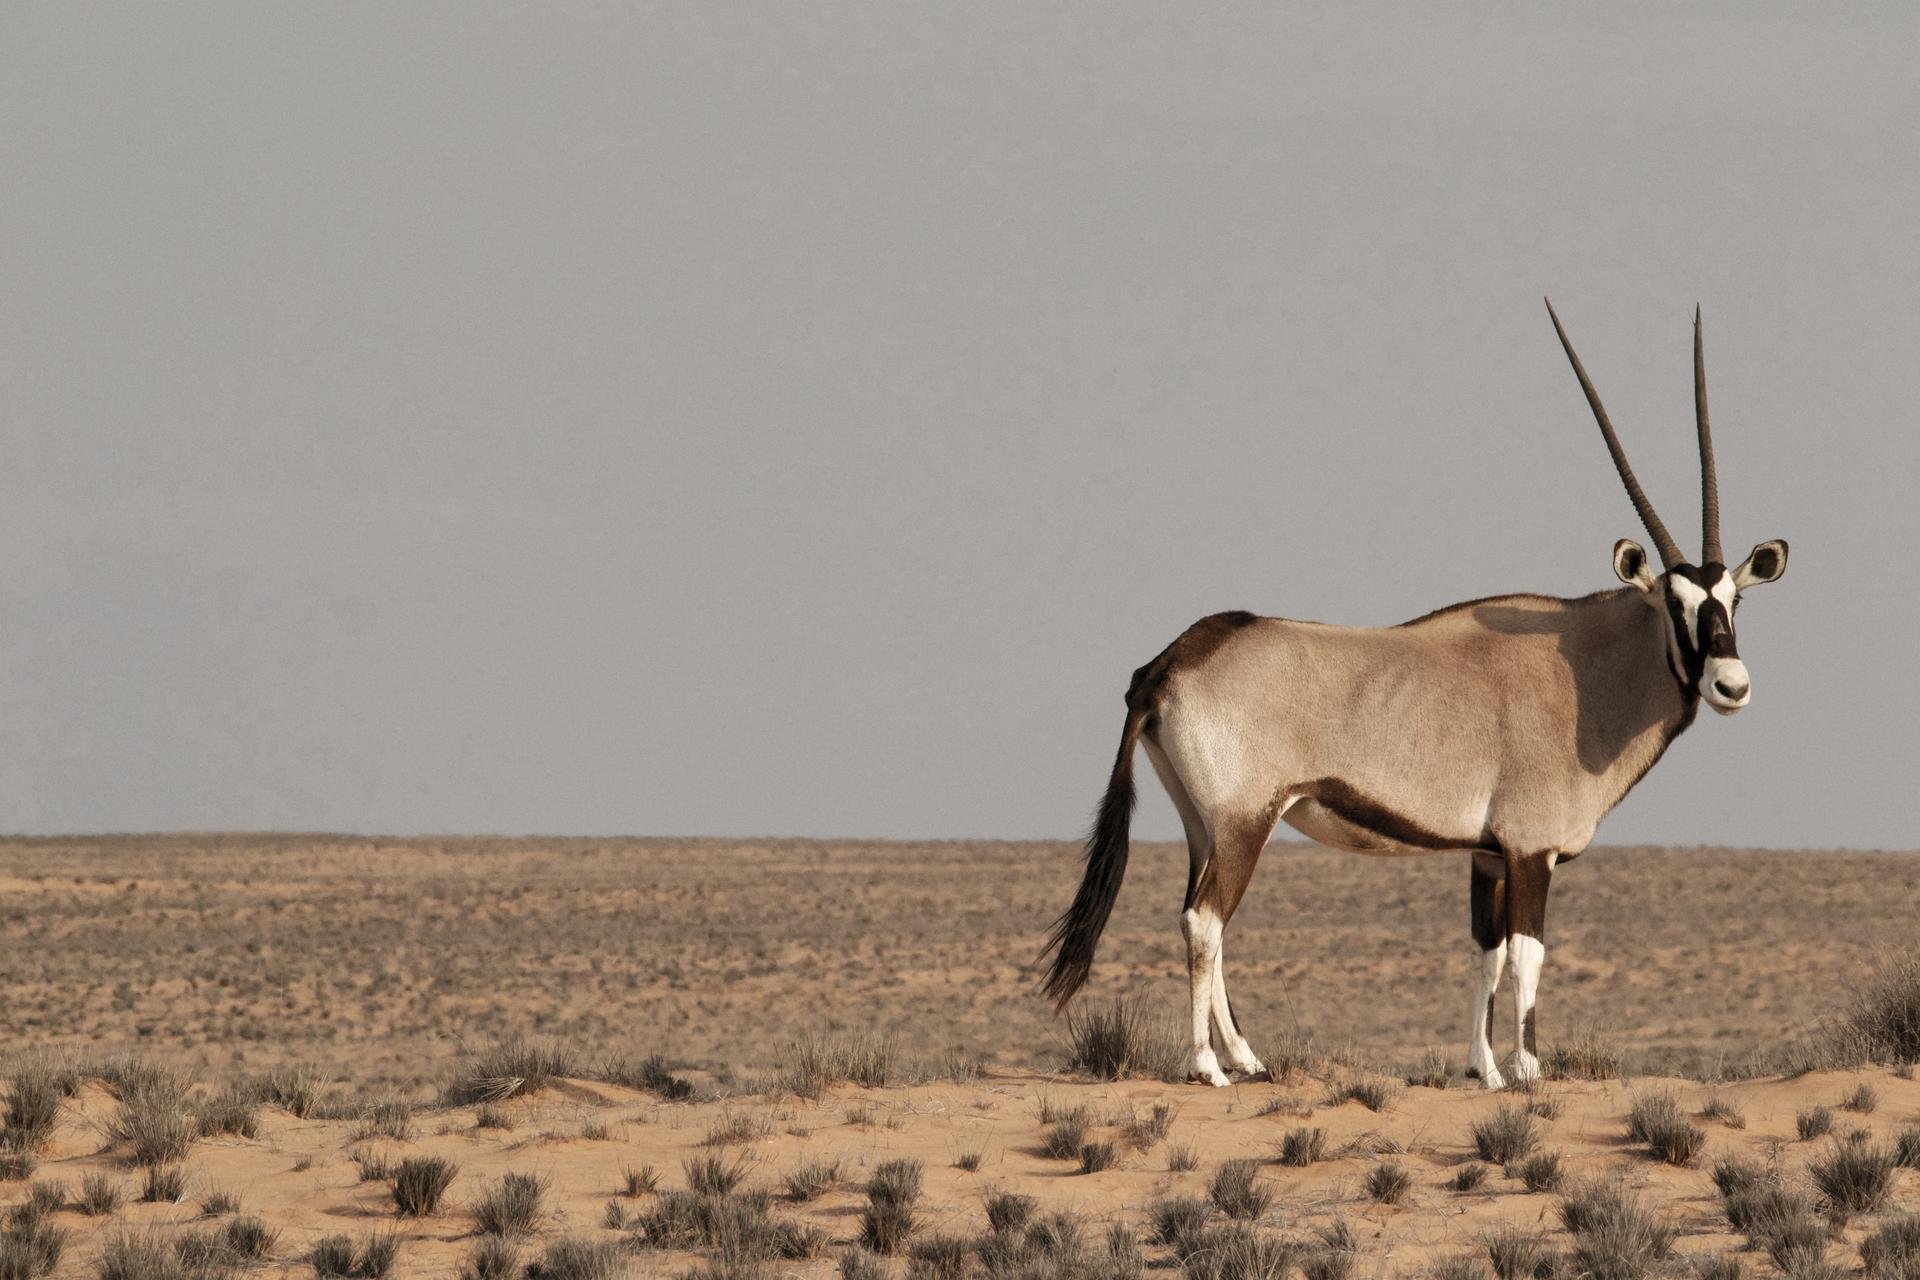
(1699, 603)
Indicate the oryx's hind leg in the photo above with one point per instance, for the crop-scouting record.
(1489, 911)
(1212, 896)
(1528, 879)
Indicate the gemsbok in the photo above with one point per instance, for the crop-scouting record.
(1504, 727)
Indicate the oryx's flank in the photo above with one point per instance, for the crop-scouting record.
(1505, 727)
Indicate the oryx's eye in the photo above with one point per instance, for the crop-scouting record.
(1736, 603)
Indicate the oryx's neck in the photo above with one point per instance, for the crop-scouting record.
(1631, 705)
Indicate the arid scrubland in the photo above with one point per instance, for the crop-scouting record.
(581, 1060)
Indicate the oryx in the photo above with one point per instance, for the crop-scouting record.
(1505, 727)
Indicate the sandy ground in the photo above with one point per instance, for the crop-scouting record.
(375, 960)
(299, 1178)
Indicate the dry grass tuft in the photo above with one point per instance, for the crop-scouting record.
(1814, 1122)
(511, 1207)
(506, 1069)
(1863, 1099)
(1122, 1039)
(1655, 1118)
(578, 1259)
(1539, 1172)
(1302, 1146)
(810, 1064)
(1587, 1057)
(1469, 1177)
(1388, 1182)
(1434, 1072)
(1855, 1177)
(1616, 1237)
(420, 1182)
(1519, 1254)
(1238, 1193)
(1098, 1157)
(1505, 1136)
(812, 1179)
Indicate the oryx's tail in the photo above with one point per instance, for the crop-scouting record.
(1076, 933)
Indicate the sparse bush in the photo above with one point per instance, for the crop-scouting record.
(938, 1258)
(1539, 1172)
(248, 1238)
(1237, 1192)
(30, 1246)
(1302, 1146)
(885, 1226)
(295, 1088)
(1008, 1212)
(713, 1176)
(1434, 1071)
(1098, 1157)
(968, 1161)
(511, 1206)
(1237, 1252)
(1143, 1131)
(856, 1264)
(578, 1259)
(1065, 1136)
(1518, 1254)
(33, 1109)
(1882, 1022)
(219, 1203)
(373, 1166)
(1719, 1266)
(1863, 1099)
(1388, 1182)
(230, 1113)
(1906, 1148)
(1892, 1252)
(1587, 1057)
(390, 1118)
(419, 1183)
(1182, 1159)
(1504, 1137)
(1814, 1122)
(99, 1195)
(648, 1073)
(332, 1256)
(895, 1182)
(1372, 1093)
(811, 1179)
(1655, 1118)
(1544, 1105)
(165, 1184)
(507, 1069)
(1854, 1177)
(492, 1258)
(810, 1064)
(1719, 1107)
(1122, 1039)
(491, 1117)
(153, 1120)
(735, 1128)
(643, 1181)
(1459, 1266)
(1469, 1176)
(1323, 1263)
(1123, 1260)
(129, 1255)
(1178, 1222)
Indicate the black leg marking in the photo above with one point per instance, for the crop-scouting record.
(1487, 900)
(1489, 1016)
(1526, 1032)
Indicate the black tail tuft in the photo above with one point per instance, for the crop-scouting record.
(1076, 933)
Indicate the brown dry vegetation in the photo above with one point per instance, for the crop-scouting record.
(825, 1004)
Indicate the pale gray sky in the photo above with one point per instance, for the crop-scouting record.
(801, 419)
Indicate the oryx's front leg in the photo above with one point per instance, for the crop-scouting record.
(1489, 911)
(1528, 879)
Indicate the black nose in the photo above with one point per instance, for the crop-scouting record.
(1731, 692)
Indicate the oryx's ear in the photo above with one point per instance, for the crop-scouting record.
(1765, 563)
(1630, 563)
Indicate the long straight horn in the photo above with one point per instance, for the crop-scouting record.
(1663, 542)
(1709, 482)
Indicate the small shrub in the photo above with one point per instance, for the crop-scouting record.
(230, 1114)
(391, 1118)
(1504, 1137)
(419, 1183)
(968, 1161)
(1008, 1212)
(1892, 1251)
(1122, 1039)
(492, 1258)
(1540, 1172)
(1719, 1107)
(1863, 1099)
(1544, 1105)
(154, 1122)
(1615, 1236)
(1303, 1146)
(1814, 1122)
(1236, 1252)
(1142, 1132)
(711, 1175)
(33, 1109)
(507, 1069)
(1388, 1182)
(578, 1259)
(1323, 1263)
(99, 1195)
(648, 1073)
(219, 1203)
(1182, 1159)
(1064, 1138)
(855, 1264)
(248, 1238)
(1236, 1192)
(332, 1256)
(735, 1128)
(1882, 1022)
(1123, 1260)
(1656, 1119)
(1098, 1157)
(1586, 1058)
(1719, 1266)
(1434, 1071)
(1518, 1254)
(1469, 1176)
(296, 1088)
(128, 1255)
(810, 1064)
(643, 1181)
(1371, 1093)
(938, 1258)
(1178, 1222)
(511, 1207)
(811, 1179)
(491, 1117)
(895, 1182)
(1459, 1266)
(165, 1184)
(1855, 1177)
(373, 1165)
(885, 1226)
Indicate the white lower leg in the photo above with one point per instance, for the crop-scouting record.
(1529, 954)
(1240, 1055)
(1202, 929)
(1480, 1060)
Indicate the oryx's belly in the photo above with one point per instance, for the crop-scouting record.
(1337, 814)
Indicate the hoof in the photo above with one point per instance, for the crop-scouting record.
(1217, 1080)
